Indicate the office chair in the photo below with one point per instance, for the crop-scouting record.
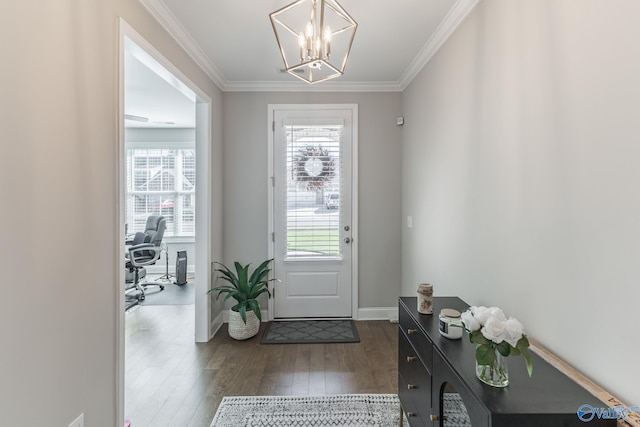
(145, 249)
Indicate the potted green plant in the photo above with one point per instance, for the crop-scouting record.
(245, 287)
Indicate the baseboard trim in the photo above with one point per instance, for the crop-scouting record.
(216, 324)
(632, 418)
(378, 313)
(367, 313)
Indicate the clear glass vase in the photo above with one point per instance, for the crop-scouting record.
(495, 374)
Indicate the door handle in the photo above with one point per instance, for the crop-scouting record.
(347, 240)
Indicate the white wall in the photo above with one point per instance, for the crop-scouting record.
(245, 180)
(58, 116)
(520, 169)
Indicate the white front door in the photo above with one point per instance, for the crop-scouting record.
(312, 211)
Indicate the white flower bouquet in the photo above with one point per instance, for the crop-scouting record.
(495, 335)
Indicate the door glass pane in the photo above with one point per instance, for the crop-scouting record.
(313, 193)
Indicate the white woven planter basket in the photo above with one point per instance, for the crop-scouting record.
(241, 331)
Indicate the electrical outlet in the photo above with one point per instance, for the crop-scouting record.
(78, 422)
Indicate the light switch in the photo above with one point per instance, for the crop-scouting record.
(409, 221)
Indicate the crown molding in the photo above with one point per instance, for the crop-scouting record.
(454, 18)
(327, 86)
(169, 22)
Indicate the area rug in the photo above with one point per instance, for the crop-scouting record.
(310, 332)
(455, 412)
(345, 410)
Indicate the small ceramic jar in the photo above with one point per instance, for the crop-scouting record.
(450, 323)
(425, 298)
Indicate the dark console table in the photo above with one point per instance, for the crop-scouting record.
(437, 384)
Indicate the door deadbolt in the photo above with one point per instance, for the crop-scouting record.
(347, 240)
(347, 228)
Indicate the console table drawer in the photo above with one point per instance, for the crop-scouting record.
(414, 383)
(412, 368)
(417, 338)
(417, 412)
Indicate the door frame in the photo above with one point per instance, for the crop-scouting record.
(203, 243)
(354, 192)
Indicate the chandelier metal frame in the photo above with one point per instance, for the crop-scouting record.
(315, 40)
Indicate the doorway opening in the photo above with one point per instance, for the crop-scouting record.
(164, 167)
(160, 180)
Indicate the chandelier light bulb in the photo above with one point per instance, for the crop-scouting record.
(302, 42)
(326, 35)
(309, 35)
(309, 30)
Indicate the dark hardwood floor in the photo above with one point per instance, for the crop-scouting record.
(172, 381)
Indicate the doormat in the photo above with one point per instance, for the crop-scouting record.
(345, 410)
(310, 332)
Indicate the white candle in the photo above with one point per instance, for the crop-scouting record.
(302, 43)
(327, 41)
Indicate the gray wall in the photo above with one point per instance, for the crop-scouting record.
(59, 240)
(245, 181)
(520, 169)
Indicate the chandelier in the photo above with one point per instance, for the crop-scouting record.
(314, 37)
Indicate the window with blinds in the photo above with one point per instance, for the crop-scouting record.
(161, 182)
(313, 191)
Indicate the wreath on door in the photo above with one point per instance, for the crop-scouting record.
(313, 167)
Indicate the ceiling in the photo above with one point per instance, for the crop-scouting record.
(154, 98)
(234, 43)
(233, 40)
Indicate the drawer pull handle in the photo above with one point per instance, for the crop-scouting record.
(410, 386)
(411, 331)
(410, 414)
(435, 418)
(410, 358)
